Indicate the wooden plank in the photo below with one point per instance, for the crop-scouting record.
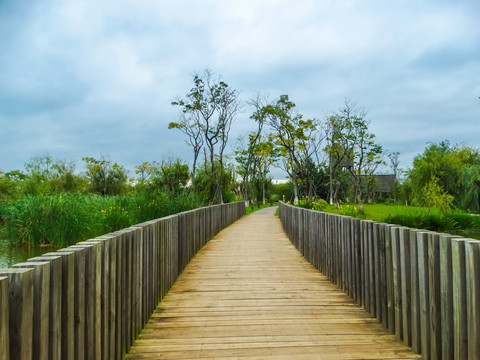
(460, 316)
(41, 308)
(4, 319)
(20, 309)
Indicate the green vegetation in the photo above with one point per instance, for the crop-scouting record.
(455, 221)
(64, 219)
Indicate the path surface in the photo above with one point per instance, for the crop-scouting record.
(249, 294)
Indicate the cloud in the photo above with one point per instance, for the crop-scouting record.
(82, 77)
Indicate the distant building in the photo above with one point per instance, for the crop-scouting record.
(382, 184)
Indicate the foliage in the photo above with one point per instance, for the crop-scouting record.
(206, 187)
(456, 171)
(292, 135)
(105, 178)
(64, 219)
(433, 196)
(454, 222)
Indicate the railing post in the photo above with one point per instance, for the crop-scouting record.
(41, 298)
(4, 319)
(20, 309)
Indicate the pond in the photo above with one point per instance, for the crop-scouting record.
(13, 254)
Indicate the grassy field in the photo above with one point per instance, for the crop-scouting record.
(454, 222)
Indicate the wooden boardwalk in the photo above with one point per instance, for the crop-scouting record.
(249, 294)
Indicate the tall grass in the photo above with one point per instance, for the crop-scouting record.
(65, 219)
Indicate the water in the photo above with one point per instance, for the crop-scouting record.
(13, 254)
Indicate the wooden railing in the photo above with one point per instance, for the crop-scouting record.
(422, 286)
(90, 300)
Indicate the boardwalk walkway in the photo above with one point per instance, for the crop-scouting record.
(249, 294)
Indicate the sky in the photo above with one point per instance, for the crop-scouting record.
(96, 78)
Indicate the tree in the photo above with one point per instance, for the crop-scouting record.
(46, 174)
(394, 162)
(105, 178)
(352, 147)
(291, 135)
(456, 170)
(213, 105)
(246, 156)
(190, 125)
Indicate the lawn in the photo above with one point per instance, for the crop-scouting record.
(454, 222)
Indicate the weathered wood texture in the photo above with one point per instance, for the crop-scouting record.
(91, 300)
(249, 294)
(422, 286)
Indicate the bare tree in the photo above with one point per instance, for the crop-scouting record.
(213, 105)
(190, 125)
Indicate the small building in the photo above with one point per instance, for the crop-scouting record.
(383, 185)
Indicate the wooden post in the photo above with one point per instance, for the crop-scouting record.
(406, 285)
(55, 304)
(472, 265)
(397, 281)
(389, 279)
(79, 300)
(423, 292)
(41, 308)
(382, 304)
(93, 309)
(446, 296)
(434, 295)
(67, 300)
(20, 308)
(460, 316)
(4, 319)
(416, 335)
(105, 278)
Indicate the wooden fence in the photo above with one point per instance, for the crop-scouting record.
(90, 300)
(422, 286)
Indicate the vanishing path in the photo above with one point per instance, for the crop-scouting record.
(249, 294)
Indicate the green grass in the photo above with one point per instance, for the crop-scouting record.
(455, 222)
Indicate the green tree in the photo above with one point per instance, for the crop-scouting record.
(291, 134)
(351, 146)
(455, 168)
(213, 105)
(104, 177)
